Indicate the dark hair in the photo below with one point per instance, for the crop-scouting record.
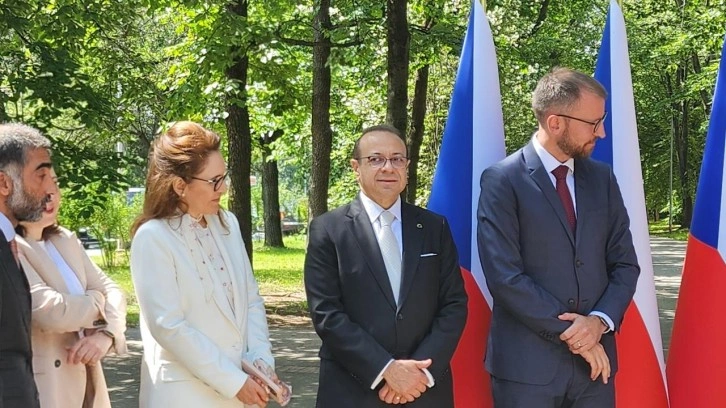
(378, 128)
(561, 88)
(180, 152)
(48, 231)
(16, 140)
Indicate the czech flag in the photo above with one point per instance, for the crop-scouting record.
(696, 363)
(473, 140)
(640, 381)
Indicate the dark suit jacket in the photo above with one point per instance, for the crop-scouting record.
(17, 386)
(354, 312)
(537, 269)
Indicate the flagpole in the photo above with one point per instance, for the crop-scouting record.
(670, 179)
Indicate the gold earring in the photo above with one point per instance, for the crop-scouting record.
(183, 193)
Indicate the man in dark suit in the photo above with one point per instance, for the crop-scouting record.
(558, 256)
(25, 182)
(384, 289)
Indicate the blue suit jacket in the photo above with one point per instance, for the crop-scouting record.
(536, 268)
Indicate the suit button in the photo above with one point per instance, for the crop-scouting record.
(399, 316)
(57, 363)
(570, 302)
(578, 263)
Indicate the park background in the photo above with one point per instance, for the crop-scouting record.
(289, 85)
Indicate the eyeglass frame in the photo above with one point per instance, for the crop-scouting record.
(216, 182)
(385, 161)
(595, 124)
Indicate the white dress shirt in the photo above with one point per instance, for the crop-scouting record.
(374, 211)
(550, 163)
(7, 227)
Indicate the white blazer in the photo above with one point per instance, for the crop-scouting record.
(193, 341)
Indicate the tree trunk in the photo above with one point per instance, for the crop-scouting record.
(397, 36)
(271, 193)
(415, 136)
(322, 134)
(239, 138)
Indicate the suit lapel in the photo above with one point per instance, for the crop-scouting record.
(40, 262)
(65, 248)
(413, 238)
(239, 287)
(585, 201)
(362, 230)
(542, 178)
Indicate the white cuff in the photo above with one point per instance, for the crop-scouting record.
(430, 377)
(380, 376)
(608, 320)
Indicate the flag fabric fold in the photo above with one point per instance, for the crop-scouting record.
(473, 140)
(640, 381)
(696, 365)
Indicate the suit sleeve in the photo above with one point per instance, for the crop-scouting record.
(153, 269)
(258, 334)
(621, 259)
(499, 250)
(114, 310)
(353, 347)
(59, 312)
(439, 345)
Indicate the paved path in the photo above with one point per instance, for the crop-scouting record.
(296, 347)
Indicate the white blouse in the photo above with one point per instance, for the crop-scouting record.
(213, 258)
(69, 277)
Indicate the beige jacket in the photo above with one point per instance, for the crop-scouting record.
(194, 341)
(58, 316)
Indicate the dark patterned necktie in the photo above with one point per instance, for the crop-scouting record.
(563, 191)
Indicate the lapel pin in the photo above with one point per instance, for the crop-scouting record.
(419, 226)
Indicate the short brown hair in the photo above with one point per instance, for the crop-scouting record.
(561, 88)
(180, 152)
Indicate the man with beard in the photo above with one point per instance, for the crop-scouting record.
(25, 184)
(558, 256)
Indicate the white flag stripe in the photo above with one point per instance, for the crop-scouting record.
(722, 219)
(487, 125)
(626, 165)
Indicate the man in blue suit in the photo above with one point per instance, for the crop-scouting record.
(557, 253)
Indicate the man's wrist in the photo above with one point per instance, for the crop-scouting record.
(605, 325)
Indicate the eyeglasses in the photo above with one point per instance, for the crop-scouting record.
(378, 162)
(217, 181)
(596, 124)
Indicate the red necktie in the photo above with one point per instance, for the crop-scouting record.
(14, 250)
(563, 191)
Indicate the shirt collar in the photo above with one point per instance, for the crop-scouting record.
(7, 227)
(374, 210)
(548, 160)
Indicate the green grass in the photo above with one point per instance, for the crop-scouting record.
(660, 228)
(121, 274)
(277, 270)
(280, 269)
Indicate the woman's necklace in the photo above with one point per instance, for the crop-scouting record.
(197, 219)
